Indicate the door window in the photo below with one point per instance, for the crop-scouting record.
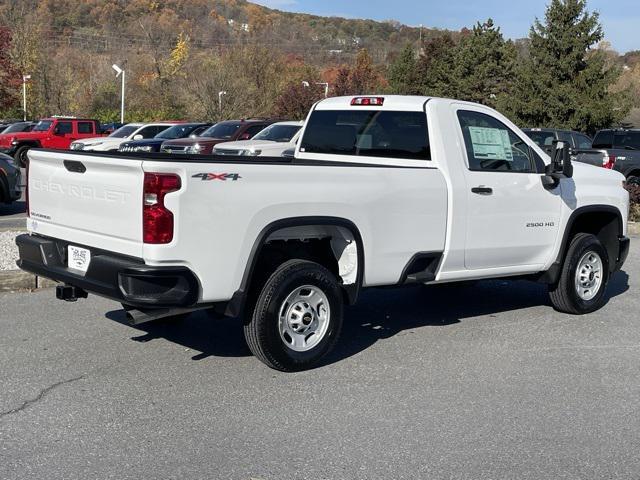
(85, 127)
(628, 139)
(492, 146)
(152, 130)
(64, 128)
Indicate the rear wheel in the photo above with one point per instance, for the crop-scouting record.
(21, 156)
(297, 317)
(584, 277)
(633, 180)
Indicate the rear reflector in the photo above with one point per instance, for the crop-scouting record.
(157, 220)
(367, 101)
(609, 161)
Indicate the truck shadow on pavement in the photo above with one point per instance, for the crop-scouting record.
(14, 208)
(380, 313)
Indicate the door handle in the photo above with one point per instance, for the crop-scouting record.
(481, 190)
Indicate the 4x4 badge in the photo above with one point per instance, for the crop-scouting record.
(217, 176)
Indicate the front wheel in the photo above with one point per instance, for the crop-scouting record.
(583, 281)
(297, 318)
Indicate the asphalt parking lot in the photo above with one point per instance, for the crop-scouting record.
(481, 382)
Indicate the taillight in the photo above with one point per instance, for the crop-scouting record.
(157, 221)
(367, 101)
(609, 162)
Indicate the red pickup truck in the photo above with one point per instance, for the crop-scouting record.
(54, 132)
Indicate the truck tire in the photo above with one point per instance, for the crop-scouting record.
(21, 156)
(633, 180)
(297, 317)
(583, 281)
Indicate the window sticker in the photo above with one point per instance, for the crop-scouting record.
(491, 143)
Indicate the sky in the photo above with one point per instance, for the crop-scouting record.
(620, 18)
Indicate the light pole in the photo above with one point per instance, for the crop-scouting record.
(24, 94)
(326, 88)
(119, 71)
(221, 93)
(306, 84)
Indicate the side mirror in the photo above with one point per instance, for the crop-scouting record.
(560, 166)
(138, 137)
(245, 136)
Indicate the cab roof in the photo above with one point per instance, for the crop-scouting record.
(411, 103)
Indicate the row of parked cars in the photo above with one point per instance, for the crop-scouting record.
(253, 137)
(613, 149)
(616, 149)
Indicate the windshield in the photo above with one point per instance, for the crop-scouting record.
(124, 132)
(221, 130)
(42, 126)
(542, 139)
(16, 127)
(278, 133)
(178, 131)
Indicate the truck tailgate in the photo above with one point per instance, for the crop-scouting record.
(94, 201)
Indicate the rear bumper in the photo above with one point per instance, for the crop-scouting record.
(124, 279)
(623, 252)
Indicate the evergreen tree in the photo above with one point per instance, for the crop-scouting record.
(565, 83)
(434, 75)
(403, 73)
(484, 65)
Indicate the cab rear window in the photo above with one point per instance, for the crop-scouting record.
(368, 133)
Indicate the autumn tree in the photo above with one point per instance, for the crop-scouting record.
(9, 77)
(296, 100)
(362, 78)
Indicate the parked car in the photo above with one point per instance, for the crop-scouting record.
(270, 142)
(545, 137)
(289, 153)
(130, 131)
(615, 150)
(4, 123)
(109, 128)
(384, 191)
(9, 180)
(54, 132)
(183, 130)
(17, 127)
(227, 131)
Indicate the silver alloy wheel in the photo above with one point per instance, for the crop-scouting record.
(589, 276)
(304, 318)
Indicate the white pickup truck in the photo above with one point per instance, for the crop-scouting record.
(382, 191)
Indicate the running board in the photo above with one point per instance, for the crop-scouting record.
(138, 316)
